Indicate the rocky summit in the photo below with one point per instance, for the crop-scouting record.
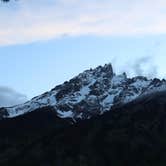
(97, 118)
(91, 93)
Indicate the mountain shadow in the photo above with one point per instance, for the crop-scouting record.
(133, 135)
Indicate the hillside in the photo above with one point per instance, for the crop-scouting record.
(132, 134)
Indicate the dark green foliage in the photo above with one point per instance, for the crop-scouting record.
(132, 135)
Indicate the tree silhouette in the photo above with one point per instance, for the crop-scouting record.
(5, 0)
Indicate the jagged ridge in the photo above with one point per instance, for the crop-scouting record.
(92, 92)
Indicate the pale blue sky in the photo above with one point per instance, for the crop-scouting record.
(46, 43)
(38, 67)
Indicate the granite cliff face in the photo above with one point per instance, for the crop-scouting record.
(91, 93)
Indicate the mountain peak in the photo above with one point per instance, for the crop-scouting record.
(107, 68)
(104, 71)
(92, 92)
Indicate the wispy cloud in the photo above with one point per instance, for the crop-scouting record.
(145, 66)
(9, 97)
(27, 21)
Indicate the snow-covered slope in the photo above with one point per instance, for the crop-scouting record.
(90, 93)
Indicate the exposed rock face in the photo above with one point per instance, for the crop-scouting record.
(92, 92)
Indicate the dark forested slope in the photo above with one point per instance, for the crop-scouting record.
(131, 135)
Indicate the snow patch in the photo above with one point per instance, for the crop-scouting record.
(65, 114)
